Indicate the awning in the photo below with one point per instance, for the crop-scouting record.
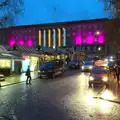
(5, 57)
(25, 49)
(48, 50)
(3, 49)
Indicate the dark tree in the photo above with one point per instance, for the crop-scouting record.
(9, 10)
(113, 6)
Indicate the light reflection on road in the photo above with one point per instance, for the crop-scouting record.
(85, 96)
(108, 95)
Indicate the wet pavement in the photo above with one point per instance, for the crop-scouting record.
(67, 97)
(14, 79)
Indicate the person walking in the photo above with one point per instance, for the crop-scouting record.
(118, 73)
(28, 80)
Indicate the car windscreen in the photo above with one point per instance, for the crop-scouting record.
(75, 61)
(48, 64)
(98, 71)
(88, 63)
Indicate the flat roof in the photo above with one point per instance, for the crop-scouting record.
(57, 24)
(61, 23)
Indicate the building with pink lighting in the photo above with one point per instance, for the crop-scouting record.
(90, 36)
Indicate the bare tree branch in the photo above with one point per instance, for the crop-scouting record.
(12, 8)
(4, 3)
(114, 6)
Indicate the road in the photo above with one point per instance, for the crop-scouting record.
(65, 98)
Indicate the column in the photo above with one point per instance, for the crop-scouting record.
(44, 42)
(54, 38)
(64, 37)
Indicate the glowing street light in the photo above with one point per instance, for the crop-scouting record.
(99, 48)
(53, 47)
(97, 33)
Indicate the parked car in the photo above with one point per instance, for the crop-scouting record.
(51, 69)
(75, 64)
(111, 66)
(87, 66)
(2, 77)
(98, 76)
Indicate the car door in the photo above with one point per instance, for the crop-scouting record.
(59, 68)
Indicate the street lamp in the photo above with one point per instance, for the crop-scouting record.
(97, 33)
(53, 47)
(99, 48)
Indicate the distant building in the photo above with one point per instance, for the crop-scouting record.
(90, 36)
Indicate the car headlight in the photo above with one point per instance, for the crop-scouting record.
(105, 79)
(90, 67)
(91, 78)
(106, 60)
(83, 67)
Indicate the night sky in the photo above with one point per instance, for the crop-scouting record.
(42, 11)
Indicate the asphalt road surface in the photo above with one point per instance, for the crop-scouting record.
(67, 97)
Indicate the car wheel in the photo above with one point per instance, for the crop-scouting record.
(40, 77)
(53, 75)
(107, 85)
(62, 72)
(90, 85)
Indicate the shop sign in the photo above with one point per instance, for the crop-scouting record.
(25, 57)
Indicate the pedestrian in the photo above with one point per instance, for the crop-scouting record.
(67, 60)
(28, 80)
(114, 71)
(118, 72)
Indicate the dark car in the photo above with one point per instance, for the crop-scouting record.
(75, 64)
(98, 76)
(111, 66)
(87, 66)
(51, 69)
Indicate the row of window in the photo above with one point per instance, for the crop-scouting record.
(91, 48)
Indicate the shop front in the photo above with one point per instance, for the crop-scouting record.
(31, 61)
(5, 66)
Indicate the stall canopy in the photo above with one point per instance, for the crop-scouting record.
(48, 50)
(3, 50)
(25, 49)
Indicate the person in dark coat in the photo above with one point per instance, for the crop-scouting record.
(28, 80)
(117, 71)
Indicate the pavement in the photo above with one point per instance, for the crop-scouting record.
(114, 87)
(14, 79)
(66, 97)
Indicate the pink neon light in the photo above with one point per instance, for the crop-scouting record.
(30, 43)
(78, 40)
(12, 42)
(89, 40)
(101, 40)
(21, 42)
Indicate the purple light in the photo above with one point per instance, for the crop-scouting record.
(12, 42)
(21, 42)
(101, 40)
(30, 43)
(90, 40)
(78, 40)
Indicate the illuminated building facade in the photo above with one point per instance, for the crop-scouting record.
(87, 35)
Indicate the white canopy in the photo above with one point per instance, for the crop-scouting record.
(3, 49)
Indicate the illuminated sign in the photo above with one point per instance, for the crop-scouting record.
(59, 37)
(40, 42)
